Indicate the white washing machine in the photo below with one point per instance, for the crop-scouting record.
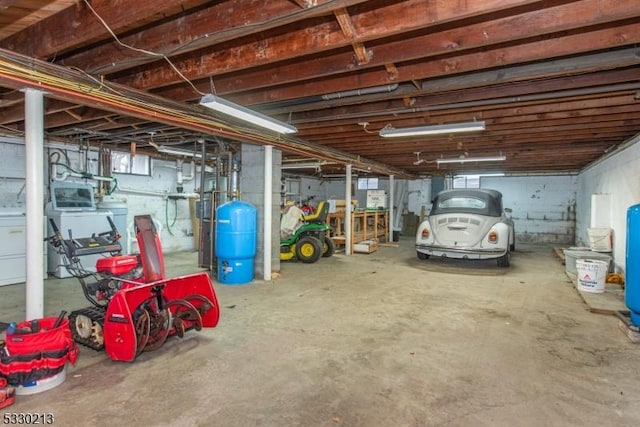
(73, 209)
(12, 246)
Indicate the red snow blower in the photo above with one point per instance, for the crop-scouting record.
(134, 307)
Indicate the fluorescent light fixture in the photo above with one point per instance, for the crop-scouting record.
(310, 165)
(389, 132)
(243, 113)
(177, 151)
(472, 159)
(481, 175)
(183, 152)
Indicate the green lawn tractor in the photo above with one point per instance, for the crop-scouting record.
(311, 239)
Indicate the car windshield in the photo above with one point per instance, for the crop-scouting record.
(463, 203)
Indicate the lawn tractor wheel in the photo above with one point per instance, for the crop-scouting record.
(328, 248)
(308, 249)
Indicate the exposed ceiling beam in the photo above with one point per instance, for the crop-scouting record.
(77, 25)
(18, 71)
(198, 30)
(363, 56)
(538, 50)
(506, 29)
(468, 90)
(315, 37)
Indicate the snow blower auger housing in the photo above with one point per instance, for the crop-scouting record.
(134, 307)
(142, 318)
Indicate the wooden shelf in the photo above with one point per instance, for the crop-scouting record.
(365, 225)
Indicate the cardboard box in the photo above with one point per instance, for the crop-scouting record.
(366, 246)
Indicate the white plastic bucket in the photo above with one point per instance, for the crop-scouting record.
(592, 275)
(599, 239)
(42, 384)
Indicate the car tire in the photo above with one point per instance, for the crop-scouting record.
(308, 249)
(328, 248)
(504, 261)
(422, 255)
(512, 246)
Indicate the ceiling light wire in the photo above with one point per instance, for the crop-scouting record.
(229, 32)
(144, 51)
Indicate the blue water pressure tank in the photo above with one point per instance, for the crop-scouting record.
(632, 287)
(236, 235)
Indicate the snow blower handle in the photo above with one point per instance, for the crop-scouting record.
(56, 239)
(58, 321)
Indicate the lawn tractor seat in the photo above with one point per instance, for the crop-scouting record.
(320, 215)
(150, 248)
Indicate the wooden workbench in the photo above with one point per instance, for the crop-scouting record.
(365, 225)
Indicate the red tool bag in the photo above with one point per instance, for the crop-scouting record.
(7, 394)
(32, 355)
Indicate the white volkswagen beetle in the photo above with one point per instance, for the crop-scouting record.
(467, 224)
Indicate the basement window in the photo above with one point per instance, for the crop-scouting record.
(466, 181)
(132, 165)
(367, 183)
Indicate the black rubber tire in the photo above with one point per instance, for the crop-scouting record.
(328, 248)
(422, 256)
(308, 249)
(503, 261)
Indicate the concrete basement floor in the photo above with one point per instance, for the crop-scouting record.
(368, 340)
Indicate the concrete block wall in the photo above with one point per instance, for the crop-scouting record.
(142, 194)
(419, 195)
(149, 195)
(252, 191)
(619, 176)
(544, 207)
(12, 175)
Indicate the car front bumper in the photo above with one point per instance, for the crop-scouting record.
(461, 253)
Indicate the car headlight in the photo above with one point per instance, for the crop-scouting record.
(493, 236)
(425, 233)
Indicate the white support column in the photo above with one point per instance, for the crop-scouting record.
(268, 202)
(347, 212)
(34, 154)
(391, 200)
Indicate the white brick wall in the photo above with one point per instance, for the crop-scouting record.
(12, 165)
(619, 176)
(543, 206)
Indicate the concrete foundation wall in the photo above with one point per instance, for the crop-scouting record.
(148, 195)
(543, 206)
(619, 177)
(12, 176)
(142, 194)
